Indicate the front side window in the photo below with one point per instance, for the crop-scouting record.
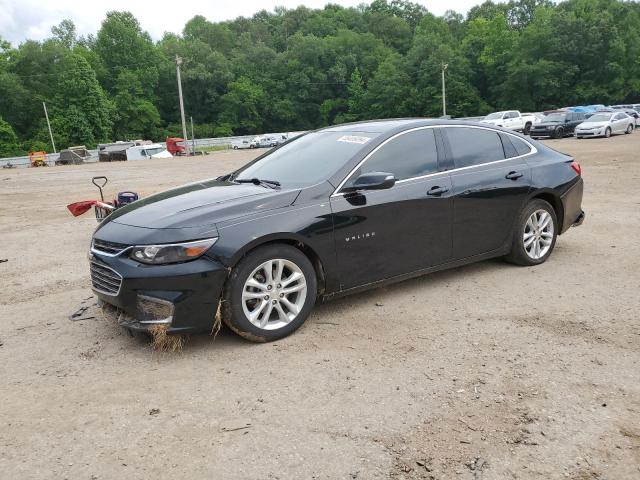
(409, 155)
(474, 146)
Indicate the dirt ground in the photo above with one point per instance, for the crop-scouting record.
(489, 371)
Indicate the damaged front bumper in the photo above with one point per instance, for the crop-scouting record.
(183, 297)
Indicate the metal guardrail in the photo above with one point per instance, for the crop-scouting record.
(22, 162)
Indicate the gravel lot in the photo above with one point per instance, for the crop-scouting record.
(489, 371)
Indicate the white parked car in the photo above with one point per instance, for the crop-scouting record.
(512, 120)
(154, 150)
(241, 145)
(604, 124)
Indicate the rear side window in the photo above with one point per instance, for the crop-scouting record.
(474, 146)
(521, 147)
(409, 155)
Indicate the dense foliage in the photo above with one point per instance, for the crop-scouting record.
(300, 69)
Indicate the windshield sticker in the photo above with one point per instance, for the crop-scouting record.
(353, 139)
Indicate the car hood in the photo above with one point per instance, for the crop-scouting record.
(586, 125)
(493, 122)
(199, 204)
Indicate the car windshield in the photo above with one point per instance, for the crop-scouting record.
(309, 159)
(600, 117)
(494, 116)
(555, 117)
(153, 151)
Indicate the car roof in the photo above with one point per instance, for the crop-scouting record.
(395, 125)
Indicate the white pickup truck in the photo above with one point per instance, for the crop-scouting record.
(512, 120)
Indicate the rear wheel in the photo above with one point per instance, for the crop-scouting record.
(270, 293)
(534, 234)
(629, 129)
(527, 129)
(607, 132)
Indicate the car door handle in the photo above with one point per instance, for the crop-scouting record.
(513, 175)
(436, 191)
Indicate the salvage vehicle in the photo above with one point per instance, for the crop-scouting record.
(154, 150)
(604, 124)
(332, 212)
(264, 142)
(512, 120)
(176, 146)
(557, 125)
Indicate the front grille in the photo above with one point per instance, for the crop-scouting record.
(110, 248)
(105, 279)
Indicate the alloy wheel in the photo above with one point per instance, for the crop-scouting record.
(538, 234)
(274, 294)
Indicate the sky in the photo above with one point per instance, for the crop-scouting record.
(33, 19)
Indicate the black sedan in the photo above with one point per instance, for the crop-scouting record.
(329, 213)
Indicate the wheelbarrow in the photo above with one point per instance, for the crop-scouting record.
(102, 208)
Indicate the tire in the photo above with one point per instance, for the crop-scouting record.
(545, 240)
(629, 129)
(558, 132)
(265, 295)
(607, 132)
(527, 129)
(235, 147)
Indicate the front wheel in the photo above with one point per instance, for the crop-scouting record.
(534, 234)
(607, 132)
(558, 133)
(527, 129)
(270, 293)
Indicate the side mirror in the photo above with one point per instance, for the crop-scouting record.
(372, 181)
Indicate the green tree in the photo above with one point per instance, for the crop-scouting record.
(387, 95)
(8, 140)
(81, 112)
(243, 103)
(123, 46)
(135, 117)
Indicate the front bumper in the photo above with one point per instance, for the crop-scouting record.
(182, 296)
(541, 133)
(589, 133)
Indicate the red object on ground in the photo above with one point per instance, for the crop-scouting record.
(78, 208)
(174, 148)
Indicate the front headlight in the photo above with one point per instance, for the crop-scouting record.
(171, 253)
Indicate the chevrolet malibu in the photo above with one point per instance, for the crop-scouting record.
(329, 213)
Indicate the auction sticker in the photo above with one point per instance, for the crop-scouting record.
(353, 139)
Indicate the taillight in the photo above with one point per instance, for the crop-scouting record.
(576, 166)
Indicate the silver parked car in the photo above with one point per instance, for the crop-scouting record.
(604, 124)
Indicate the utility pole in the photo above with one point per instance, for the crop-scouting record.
(44, 105)
(444, 96)
(184, 124)
(193, 137)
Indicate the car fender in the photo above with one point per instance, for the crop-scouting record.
(308, 227)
